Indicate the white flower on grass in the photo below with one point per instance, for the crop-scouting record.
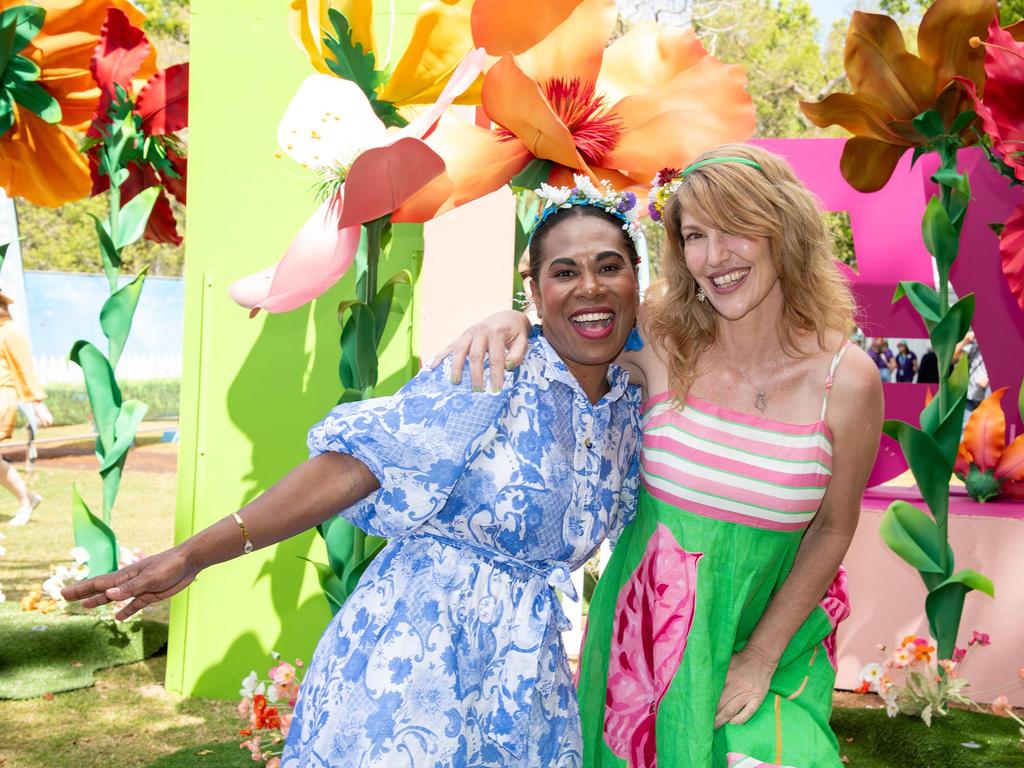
(892, 708)
(251, 686)
(871, 674)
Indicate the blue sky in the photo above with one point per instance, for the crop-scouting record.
(828, 11)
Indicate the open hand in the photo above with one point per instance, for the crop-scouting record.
(746, 685)
(487, 340)
(43, 415)
(148, 581)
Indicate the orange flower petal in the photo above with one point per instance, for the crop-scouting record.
(575, 47)
(440, 40)
(516, 102)
(857, 114)
(699, 108)
(41, 163)
(563, 177)
(648, 55)
(308, 22)
(942, 39)
(878, 64)
(64, 47)
(1016, 31)
(867, 163)
(477, 162)
(985, 433)
(501, 26)
(1011, 463)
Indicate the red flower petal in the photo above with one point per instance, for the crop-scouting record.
(120, 52)
(1011, 251)
(653, 616)
(383, 178)
(163, 101)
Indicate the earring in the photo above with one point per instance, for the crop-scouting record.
(701, 296)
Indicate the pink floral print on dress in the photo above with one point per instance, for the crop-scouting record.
(837, 605)
(653, 616)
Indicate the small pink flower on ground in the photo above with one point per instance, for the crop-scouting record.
(244, 707)
(282, 674)
(902, 658)
(286, 723)
(980, 638)
(253, 745)
(299, 663)
(1001, 706)
(959, 654)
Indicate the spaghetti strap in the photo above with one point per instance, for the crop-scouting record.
(831, 375)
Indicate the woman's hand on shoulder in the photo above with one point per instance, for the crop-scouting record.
(501, 338)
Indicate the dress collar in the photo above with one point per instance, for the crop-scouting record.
(552, 367)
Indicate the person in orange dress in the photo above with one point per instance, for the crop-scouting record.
(18, 383)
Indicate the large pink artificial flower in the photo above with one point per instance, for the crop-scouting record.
(837, 605)
(330, 126)
(653, 616)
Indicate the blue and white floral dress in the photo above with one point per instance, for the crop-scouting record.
(449, 652)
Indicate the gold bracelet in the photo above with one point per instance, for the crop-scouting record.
(245, 533)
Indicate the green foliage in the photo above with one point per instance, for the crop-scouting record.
(69, 403)
(95, 536)
(838, 223)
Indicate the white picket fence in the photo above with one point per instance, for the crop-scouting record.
(56, 369)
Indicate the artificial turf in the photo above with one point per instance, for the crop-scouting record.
(57, 652)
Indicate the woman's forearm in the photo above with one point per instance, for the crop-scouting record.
(817, 560)
(305, 497)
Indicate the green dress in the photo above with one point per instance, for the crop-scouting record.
(726, 499)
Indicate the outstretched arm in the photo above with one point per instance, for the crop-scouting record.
(502, 338)
(305, 497)
(855, 419)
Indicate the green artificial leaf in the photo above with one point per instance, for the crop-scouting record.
(947, 429)
(331, 585)
(358, 366)
(347, 58)
(535, 172)
(339, 538)
(371, 546)
(117, 313)
(132, 218)
(923, 298)
(940, 236)
(28, 20)
(109, 253)
(94, 536)
(917, 154)
(945, 603)
(913, 535)
(6, 116)
(111, 477)
(963, 120)
(128, 419)
(949, 177)
(8, 35)
(948, 332)
(929, 124)
(37, 100)
(350, 396)
(388, 302)
(958, 202)
(22, 69)
(101, 386)
(931, 468)
(982, 486)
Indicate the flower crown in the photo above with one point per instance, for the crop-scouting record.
(621, 205)
(668, 181)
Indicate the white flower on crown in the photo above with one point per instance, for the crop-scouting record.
(587, 188)
(554, 197)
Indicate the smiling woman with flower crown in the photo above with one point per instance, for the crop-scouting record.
(449, 651)
(711, 635)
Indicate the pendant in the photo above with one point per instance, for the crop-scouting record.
(760, 403)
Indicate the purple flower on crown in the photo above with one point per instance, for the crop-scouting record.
(627, 203)
(653, 212)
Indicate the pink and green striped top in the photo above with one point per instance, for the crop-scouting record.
(733, 466)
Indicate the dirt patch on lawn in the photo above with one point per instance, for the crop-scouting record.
(148, 456)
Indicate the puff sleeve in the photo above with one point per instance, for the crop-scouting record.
(417, 443)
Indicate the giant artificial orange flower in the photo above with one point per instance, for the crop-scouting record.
(38, 161)
(440, 39)
(892, 86)
(652, 99)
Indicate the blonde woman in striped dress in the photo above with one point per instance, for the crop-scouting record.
(711, 633)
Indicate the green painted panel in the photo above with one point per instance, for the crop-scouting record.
(251, 388)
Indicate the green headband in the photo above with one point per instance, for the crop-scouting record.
(666, 182)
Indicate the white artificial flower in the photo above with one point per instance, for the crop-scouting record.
(586, 187)
(555, 196)
(52, 587)
(871, 674)
(80, 555)
(891, 707)
(251, 686)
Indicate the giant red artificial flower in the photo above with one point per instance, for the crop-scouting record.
(160, 106)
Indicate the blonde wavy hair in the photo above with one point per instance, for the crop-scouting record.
(741, 200)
